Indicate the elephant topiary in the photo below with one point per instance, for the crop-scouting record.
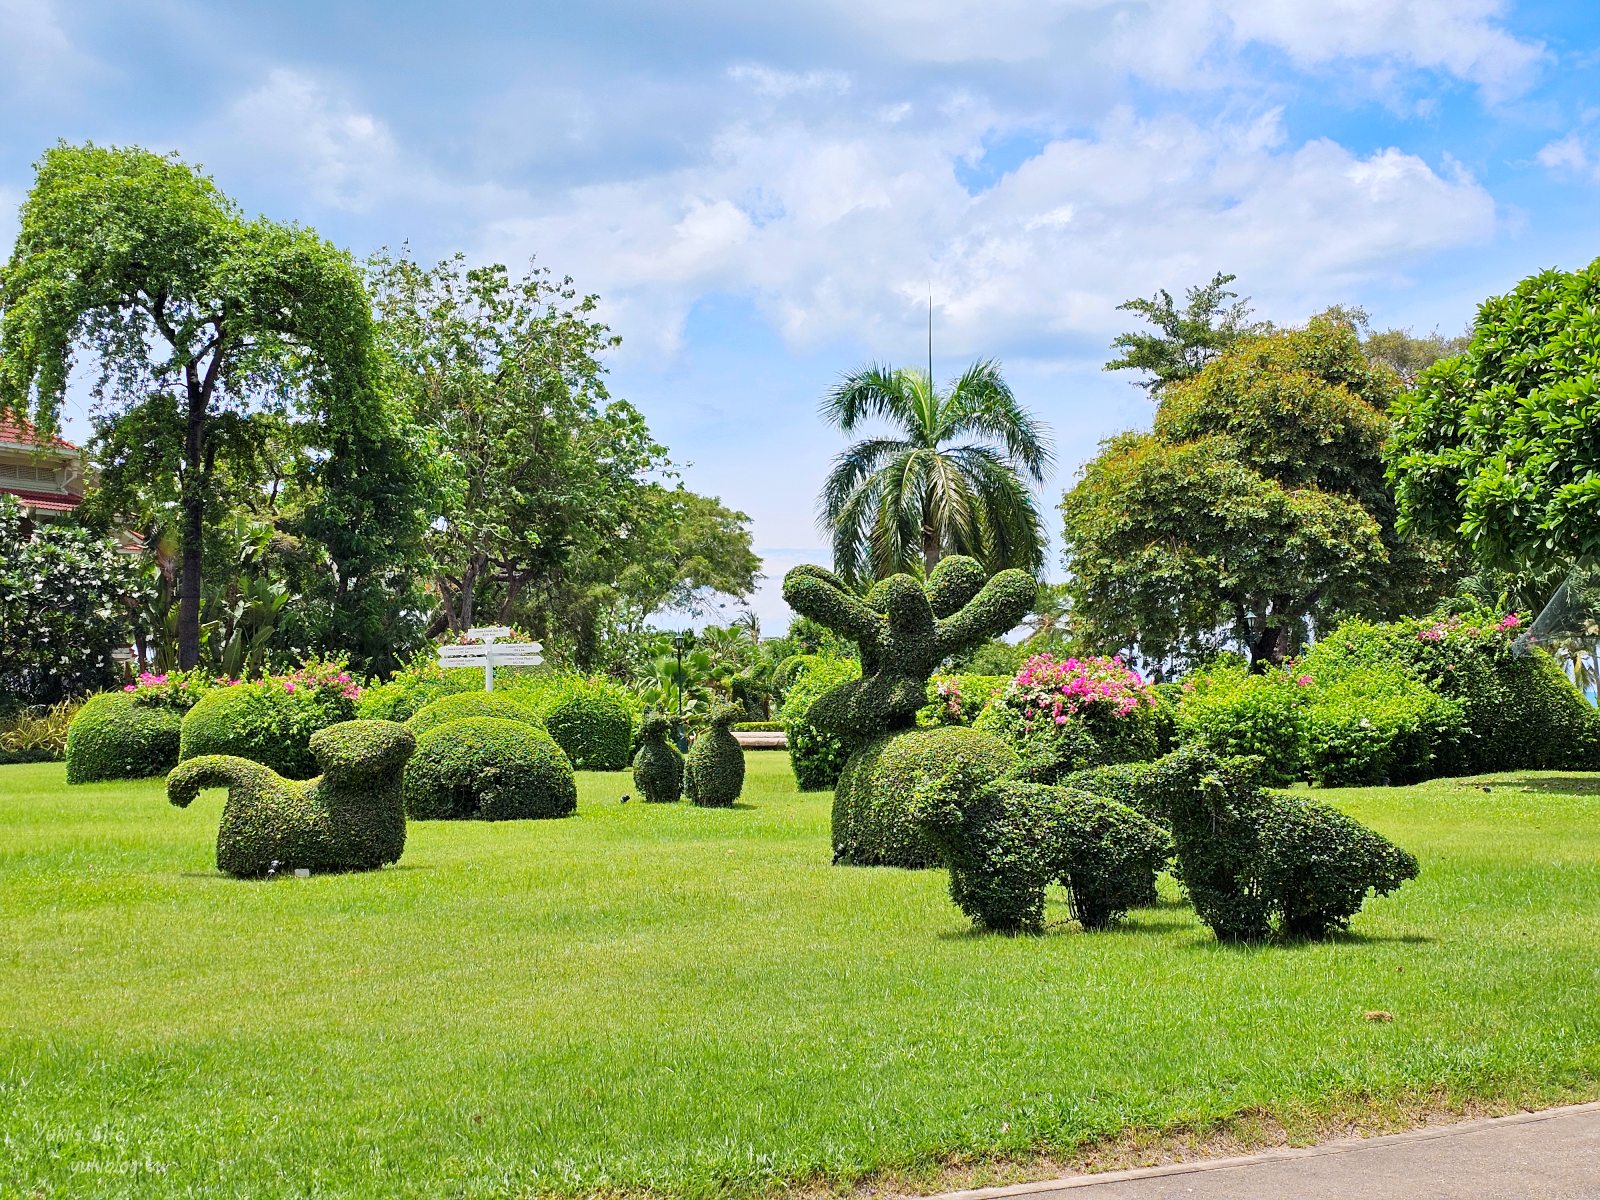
(1005, 841)
(349, 818)
(658, 767)
(714, 771)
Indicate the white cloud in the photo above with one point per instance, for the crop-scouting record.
(1571, 156)
(779, 85)
(36, 54)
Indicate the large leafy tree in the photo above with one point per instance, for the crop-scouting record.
(1185, 339)
(1496, 447)
(1256, 506)
(552, 506)
(207, 329)
(953, 476)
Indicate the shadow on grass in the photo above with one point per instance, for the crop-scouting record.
(1342, 938)
(1560, 785)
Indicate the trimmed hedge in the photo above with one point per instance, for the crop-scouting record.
(713, 774)
(469, 704)
(1006, 841)
(657, 767)
(591, 719)
(350, 818)
(114, 736)
(490, 769)
(1237, 713)
(265, 722)
(758, 726)
(958, 699)
(873, 817)
(816, 757)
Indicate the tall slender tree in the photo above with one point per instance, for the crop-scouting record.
(953, 477)
(205, 327)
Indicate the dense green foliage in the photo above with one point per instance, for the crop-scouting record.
(826, 1030)
(873, 804)
(1006, 841)
(225, 347)
(1256, 505)
(590, 719)
(900, 503)
(1251, 859)
(270, 721)
(470, 704)
(817, 756)
(1184, 341)
(1238, 713)
(904, 630)
(37, 734)
(114, 736)
(713, 773)
(1494, 447)
(67, 598)
(489, 769)
(657, 765)
(417, 685)
(349, 818)
(958, 699)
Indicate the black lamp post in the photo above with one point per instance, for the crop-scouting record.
(677, 644)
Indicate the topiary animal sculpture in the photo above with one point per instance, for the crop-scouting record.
(1005, 841)
(349, 818)
(714, 772)
(904, 631)
(658, 767)
(1250, 857)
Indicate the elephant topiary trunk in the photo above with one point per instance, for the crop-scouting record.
(349, 818)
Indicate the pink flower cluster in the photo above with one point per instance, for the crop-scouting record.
(315, 676)
(1453, 626)
(1048, 689)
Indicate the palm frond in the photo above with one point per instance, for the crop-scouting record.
(981, 402)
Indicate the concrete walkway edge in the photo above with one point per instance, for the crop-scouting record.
(1321, 1150)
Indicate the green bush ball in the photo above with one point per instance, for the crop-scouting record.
(713, 774)
(114, 737)
(491, 769)
(594, 728)
(264, 722)
(657, 767)
(873, 822)
(470, 704)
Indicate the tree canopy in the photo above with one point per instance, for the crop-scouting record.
(1184, 341)
(953, 477)
(1255, 506)
(1495, 447)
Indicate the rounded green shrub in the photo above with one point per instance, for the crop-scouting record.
(657, 767)
(816, 756)
(489, 769)
(958, 699)
(591, 719)
(114, 736)
(713, 774)
(1379, 725)
(873, 820)
(418, 685)
(469, 704)
(269, 721)
(350, 818)
(1238, 713)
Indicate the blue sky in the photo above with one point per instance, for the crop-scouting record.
(764, 195)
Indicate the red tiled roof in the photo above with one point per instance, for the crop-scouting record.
(13, 429)
(44, 501)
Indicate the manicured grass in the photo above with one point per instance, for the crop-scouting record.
(695, 1002)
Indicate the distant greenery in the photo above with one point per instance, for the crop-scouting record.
(1186, 339)
(650, 998)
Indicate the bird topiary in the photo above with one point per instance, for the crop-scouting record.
(658, 767)
(470, 704)
(491, 769)
(904, 630)
(114, 736)
(713, 774)
(1005, 841)
(349, 818)
(1253, 860)
(872, 804)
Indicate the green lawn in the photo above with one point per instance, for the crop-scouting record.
(695, 1002)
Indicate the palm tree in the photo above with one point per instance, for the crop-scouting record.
(902, 502)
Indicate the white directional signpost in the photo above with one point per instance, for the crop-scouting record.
(490, 652)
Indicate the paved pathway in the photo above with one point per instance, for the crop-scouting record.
(1550, 1155)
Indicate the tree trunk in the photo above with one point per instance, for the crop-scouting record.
(930, 549)
(192, 501)
(1267, 648)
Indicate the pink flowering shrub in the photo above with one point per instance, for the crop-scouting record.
(1047, 689)
(271, 720)
(1070, 713)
